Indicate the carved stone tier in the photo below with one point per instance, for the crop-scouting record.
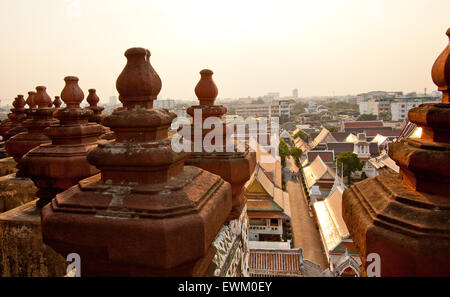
(97, 117)
(60, 165)
(404, 218)
(17, 116)
(234, 167)
(146, 214)
(31, 104)
(42, 117)
(57, 102)
(408, 229)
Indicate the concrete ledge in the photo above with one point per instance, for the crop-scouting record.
(15, 191)
(7, 166)
(22, 251)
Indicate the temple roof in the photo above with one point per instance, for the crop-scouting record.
(363, 124)
(279, 199)
(275, 262)
(384, 161)
(329, 215)
(316, 171)
(323, 137)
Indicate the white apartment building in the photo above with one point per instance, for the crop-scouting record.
(167, 104)
(275, 109)
(368, 107)
(399, 110)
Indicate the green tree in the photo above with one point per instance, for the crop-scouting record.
(283, 151)
(385, 116)
(299, 107)
(296, 153)
(258, 101)
(302, 135)
(363, 175)
(351, 163)
(367, 117)
(332, 129)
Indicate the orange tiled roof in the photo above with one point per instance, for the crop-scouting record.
(276, 262)
(361, 124)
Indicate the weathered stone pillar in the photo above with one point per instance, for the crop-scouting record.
(404, 218)
(4, 127)
(16, 116)
(57, 102)
(60, 165)
(234, 167)
(97, 116)
(31, 104)
(146, 214)
(42, 117)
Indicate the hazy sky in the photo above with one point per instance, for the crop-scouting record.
(320, 47)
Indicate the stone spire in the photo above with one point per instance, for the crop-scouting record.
(440, 72)
(17, 116)
(4, 127)
(404, 218)
(97, 116)
(71, 140)
(146, 214)
(57, 102)
(30, 103)
(42, 117)
(234, 167)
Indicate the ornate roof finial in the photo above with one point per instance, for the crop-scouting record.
(138, 84)
(441, 72)
(19, 102)
(30, 100)
(42, 99)
(144, 187)
(206, 89)
(57, 102)
(72, 94)
(92, 98)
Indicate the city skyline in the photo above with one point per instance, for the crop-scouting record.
(323, 48)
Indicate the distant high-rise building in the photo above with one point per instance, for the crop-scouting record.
(112, 100)
(295, 93)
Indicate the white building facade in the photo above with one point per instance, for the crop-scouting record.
(399, 110)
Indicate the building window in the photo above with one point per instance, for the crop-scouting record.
(258, 222)
(273, 222)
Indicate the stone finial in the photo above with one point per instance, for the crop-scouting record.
(138, 84)
(42, 99)
(206, 92)
(206, 89)
(71, 141)
(57, 102)
(440, 72)
(404, 217)
(235, 168)
(92, 98)
(30, 100)
(145, 204)
(19, 102)
(72, 94)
